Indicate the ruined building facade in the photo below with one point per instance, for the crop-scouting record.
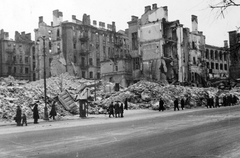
(83, 49)
(234, 50)
(166, 51)
(217, 61)
(17, 56)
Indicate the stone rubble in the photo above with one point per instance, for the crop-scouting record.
(141, 95)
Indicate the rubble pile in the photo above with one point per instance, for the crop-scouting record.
(14, 93)
(146, 94)
(141, 95)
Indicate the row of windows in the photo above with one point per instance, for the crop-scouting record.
(21, 59)
(216, 55)
(217, 66)
(90, 75)
(90, 61)
(14, 70)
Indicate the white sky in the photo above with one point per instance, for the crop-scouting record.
(22, 15)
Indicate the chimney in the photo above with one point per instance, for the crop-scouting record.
(154, 6)
(225, 43)
(94, 23)
(147, 8)
(51, 23)
(165, 9)
(40, 19)
(113, 27)
(73, 17)
(134, 18)
(194, 23)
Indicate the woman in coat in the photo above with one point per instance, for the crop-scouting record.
(18, 117)
(35, 113)
(53, 112)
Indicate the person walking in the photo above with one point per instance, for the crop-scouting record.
(110, 110)
(53, 112)
(176, 104)
(182, 103)
(161, 105)
(217, 102)
(35, 113)
(18, 116)
(121, 110)
(126, 104)
(24, 119)
(116, 109)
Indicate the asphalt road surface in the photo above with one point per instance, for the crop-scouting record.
(195, 133)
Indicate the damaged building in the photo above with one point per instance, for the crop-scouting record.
(167, 51)
(234, 50)
(17, 56)
(217, 62)
(83, 49)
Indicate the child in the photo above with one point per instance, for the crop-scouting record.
(24, 119)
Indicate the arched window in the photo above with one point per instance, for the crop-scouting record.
(220, 55)
(212, 55)
(216, 55)
(207, 54)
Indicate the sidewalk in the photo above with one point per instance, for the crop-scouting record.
(127, 113)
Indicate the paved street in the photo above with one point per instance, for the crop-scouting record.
(141, 133)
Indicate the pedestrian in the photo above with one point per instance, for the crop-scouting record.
(212, 101)
(110, 110)
(53, 112)
(217, 102)
(161, 105)
(176, 104)
(126, 104)
(224, 100)
(121, 110)
(116, 109)
(18, 116)
(35, 113)
(182, 103)
(24, 119)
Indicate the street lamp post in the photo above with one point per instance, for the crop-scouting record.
(44, 78)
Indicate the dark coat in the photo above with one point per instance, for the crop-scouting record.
(126, 104)
(182, 103)
(116, 108)
(176, 102)
(121, 108)
(217, 101)
(18, 114)
(111, 108)
(35, 112)
(53, 110)
(161, 103)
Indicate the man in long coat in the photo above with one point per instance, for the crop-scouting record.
(182, 103)
(53, 112)
(35, 113)
(121, 109)
(161, 105)
(116, 109)
(176, 104)
(18, 117)
(110, 109)
(126, 104)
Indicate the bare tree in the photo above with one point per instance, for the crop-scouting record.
(223, 5)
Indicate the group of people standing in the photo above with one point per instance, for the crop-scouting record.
(211, 102)
(176, 104)
(21, 119)
(226, 100)
(116, 109)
